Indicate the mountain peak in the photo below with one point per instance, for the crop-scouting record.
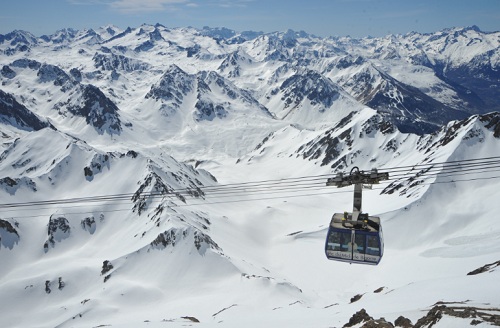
(120, 189)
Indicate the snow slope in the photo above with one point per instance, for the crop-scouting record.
(174, 177)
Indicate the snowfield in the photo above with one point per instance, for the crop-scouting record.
(159, 177)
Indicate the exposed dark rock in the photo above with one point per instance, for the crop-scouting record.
(99, 161)
(193, 51)
(61, 36)
(203, 241)
(358, 317)
(27, 63)
(62, 284)
(88, 172)
(172, 86)
(47, 287)
(145, 46)
(8, 234)
(231, 65)
(89, 224)
(8, 182)
(377, 124)
(132, 153)
(154, 185)
(192, 319)
(378, 323)
(106, 267)
(51, 73)
(76, 74)
(57, 230)
(99, 111)
(171, 237)
(328, 147)
(166, 238)
(464, 312)
(207, 110)
(485, 268)
(403, 322)
(492, 121)
(7, 72)
(310, 85)
(363, 320)
(15, 114)
(356, 298)
(12, 185)
(451, 131)
(19, 37)
(114, 62)
(224, 309)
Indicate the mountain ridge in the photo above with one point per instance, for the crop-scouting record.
(156, 175)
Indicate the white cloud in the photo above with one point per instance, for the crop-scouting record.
(232, 3)
(131, 6)
(138, 6)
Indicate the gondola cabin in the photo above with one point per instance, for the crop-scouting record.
(355, 241)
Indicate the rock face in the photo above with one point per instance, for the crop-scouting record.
(312, 86)
(97, 109)
(403, 322)
(201, 241)
(96, 166)
(15, 114)
(114, 62)
(89, 224)
(58, 229)
(9, 237)
(485, 268)
(51, 73)
(359, 317)
(438, 312)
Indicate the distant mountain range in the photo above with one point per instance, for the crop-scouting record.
(122, 149)
(416, 81)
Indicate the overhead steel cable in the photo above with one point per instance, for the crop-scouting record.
(443, 166)
(173, 192)
(448, 170)
(220, 193)
(183, 191)
(215, 202)
(424, 166)
(161, 195)
(275, 186)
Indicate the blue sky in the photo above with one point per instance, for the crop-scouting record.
(356, 18)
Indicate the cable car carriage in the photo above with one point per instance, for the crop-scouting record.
(359, 241)
(355, 237)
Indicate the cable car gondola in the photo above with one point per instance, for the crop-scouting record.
(359, 241)
(355, 237)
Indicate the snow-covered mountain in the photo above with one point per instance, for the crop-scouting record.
(154, 176)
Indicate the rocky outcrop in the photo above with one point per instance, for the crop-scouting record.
(485, 268)
(471, 316)
(9, 236)
(58, 229)
(15, 114)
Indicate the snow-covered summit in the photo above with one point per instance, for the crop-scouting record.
(153, 176)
